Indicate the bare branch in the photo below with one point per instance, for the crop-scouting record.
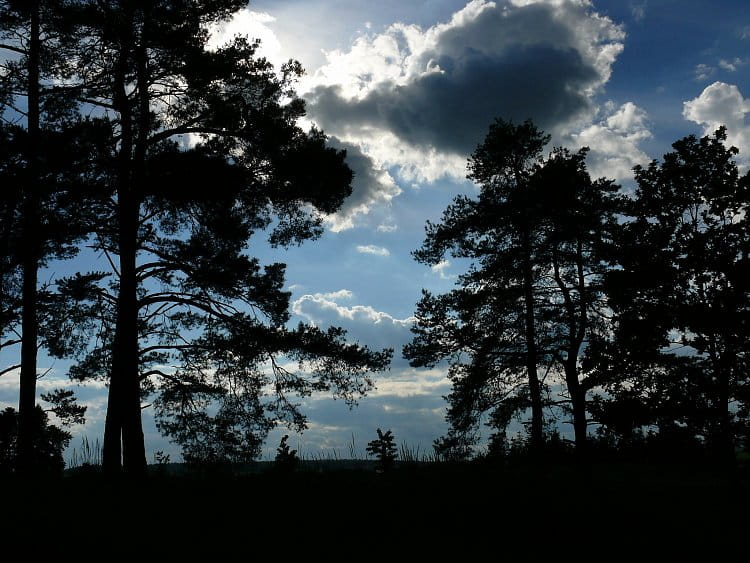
(12, 48)
(9, 369)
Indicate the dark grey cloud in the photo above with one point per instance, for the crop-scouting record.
(540, 61)
(372, 185)
(451, 110)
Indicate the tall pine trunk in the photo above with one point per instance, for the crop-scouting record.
(123, 436)
(126, 340)
(535, 388)
(30, 257)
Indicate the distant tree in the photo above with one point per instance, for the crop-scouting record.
(286, 458)
(184, 291)
(384, 450)
(681, 295)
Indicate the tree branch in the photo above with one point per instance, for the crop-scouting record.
(12, 48)
(9, 369)
(9, 343)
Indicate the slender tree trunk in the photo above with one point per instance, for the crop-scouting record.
(111, 447)
(535, 388)
(725, 441)
(113, 429)
(578, 391)
(578, 401)
(30, 258)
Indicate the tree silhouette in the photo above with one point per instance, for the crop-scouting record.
(286, 459)
(577, 217)
(206, 152)
(532, 298)
(51, 181)
(487, 328)
(384, 450)
(49, 440)
(681, 293)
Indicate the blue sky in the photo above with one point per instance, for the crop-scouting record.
(409, 88)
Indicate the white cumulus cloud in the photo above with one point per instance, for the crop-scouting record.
(722, 104)
(364, 323)
(614, 141)
(253, 25)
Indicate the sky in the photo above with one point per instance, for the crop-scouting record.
(409, 89)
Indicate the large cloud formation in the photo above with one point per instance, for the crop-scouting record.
(435, 91)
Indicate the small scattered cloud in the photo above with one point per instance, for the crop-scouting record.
(722, 104)
(387, 228)
(440, 269)
(372, 249)
(703, 72)
(638, 10)
(732, 65)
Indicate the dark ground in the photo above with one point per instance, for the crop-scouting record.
(599, 511)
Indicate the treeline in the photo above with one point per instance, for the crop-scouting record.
(623, 313)
(125, 136)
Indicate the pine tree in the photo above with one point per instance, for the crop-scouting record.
(207, 153)
(49, 177)
(487, 328)
(532, 298)
(577, 217)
